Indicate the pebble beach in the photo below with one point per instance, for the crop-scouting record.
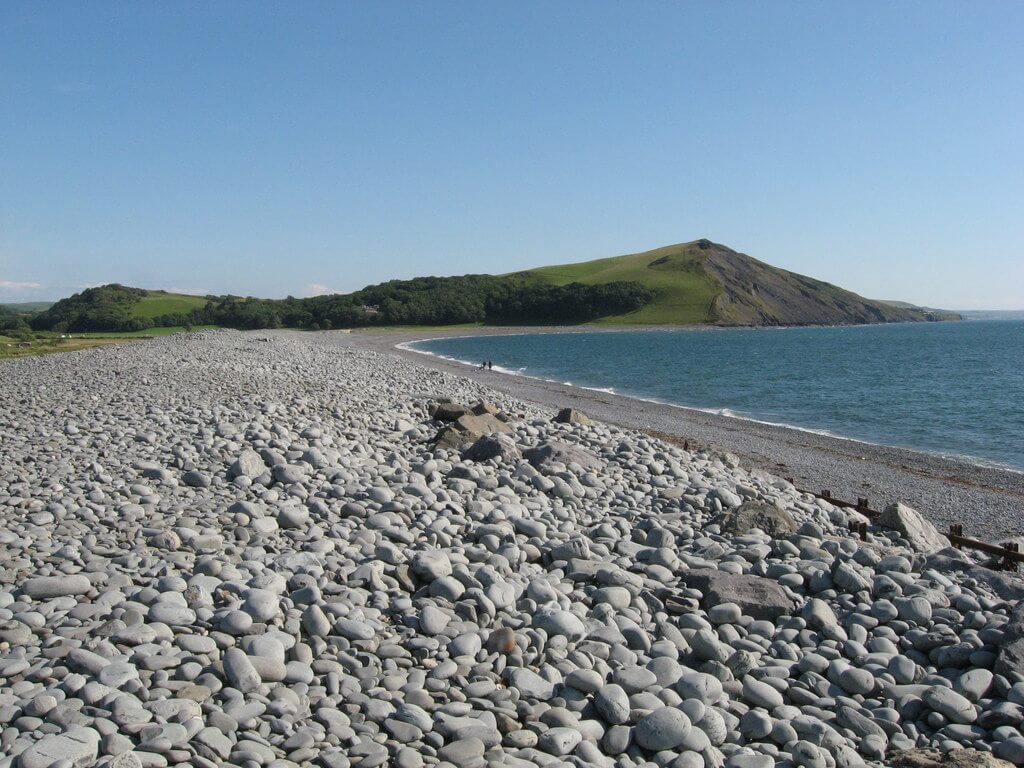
(987, 500)
(272, 549)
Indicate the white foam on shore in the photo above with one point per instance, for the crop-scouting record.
(728, 413)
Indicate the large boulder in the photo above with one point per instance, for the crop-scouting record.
(557, 452)
(757, 597)
(496, 446)
(933, 758)
(469, 428)
(572, 416)
(1009, 587)
(1011, 649)
(449, 411)
(756, 514)
(911, 525)
(76, 747)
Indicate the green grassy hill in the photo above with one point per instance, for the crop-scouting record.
(693, 283)
(701, 282)
(116, 308)
(156, 303)
(684, 291)
(26, 307)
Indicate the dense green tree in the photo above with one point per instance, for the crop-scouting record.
(421, 301)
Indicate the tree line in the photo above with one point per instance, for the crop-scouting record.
(513, 299)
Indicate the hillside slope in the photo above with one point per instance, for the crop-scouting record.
(114, 307)
(702, 282)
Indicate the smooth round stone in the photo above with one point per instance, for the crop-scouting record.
(612, 702)
(617, 597)
(950, 704)
(665, 728)
(447, 588)
(725, 613)
(117, 673)
(262, 604)
(559, 741)
(293, 516)
(761, 694)
(854, 680)
(666, 670)
(974, 684)
(354, 629)
(558, 622)
(699, 685)
(903, 669)
(916, 610)
(807, 755)
(755, 725)
(750, 761)
(586, 680)
(433, 620)
(635, 679)
(616, 740)
(236, 622)
(170, 614)
(46, 587)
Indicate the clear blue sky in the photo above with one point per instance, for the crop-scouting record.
(289, 148)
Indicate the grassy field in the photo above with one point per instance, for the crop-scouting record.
(683, 291)
(46, 343)
(9, 348)
(157, 303)
(147, 333)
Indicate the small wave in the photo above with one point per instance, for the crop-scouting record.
(605, 390)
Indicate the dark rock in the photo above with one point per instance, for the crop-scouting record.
(572, 416)
(496, 446)
(449, 411)
(1011, 649)
(757, 597)
(470, 428)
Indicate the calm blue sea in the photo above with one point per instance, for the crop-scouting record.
(956, 389)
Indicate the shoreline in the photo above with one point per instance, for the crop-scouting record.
(988, 500)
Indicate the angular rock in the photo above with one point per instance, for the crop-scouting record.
(497, 446)
(470, 428)
(556, 451)
(572, 416)
(911, 525)
(757, 597)
(756, 514)
(933, 758)
(77, 747)
(1011, 649)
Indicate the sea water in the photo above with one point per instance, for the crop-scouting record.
(952, 388)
